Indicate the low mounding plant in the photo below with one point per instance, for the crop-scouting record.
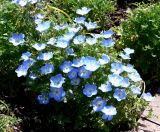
(68, 62)
(141, 31)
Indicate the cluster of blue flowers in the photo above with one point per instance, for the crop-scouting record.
(121, 81)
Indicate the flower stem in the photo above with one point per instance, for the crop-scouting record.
(3, 103)
(61, 11)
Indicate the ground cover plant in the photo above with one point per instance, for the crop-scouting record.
(6, 121)
(71, 66)
(141, 32)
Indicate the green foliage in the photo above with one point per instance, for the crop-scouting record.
(76, 115)
(6, 121)
(141, 31)
(99, 8)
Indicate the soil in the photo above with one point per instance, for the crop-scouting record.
(151, 124)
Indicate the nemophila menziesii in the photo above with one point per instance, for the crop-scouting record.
(57, 81)
(47, 68)
(98, 104)
(69, 58)
(83, 11)
(17, 39)
(26, 55)
(90, 90)
(80, 39)
(57, 93)
(90, 25)
(91, 41)
(105, 87)
(80, 20)
(108, 112)
(43, 26)
(104, 59)
(39, 46)
(45, 56)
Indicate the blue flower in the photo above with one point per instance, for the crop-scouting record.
(24, 2)
(57, 93)
(28, 63)
(105, 88)
(21, 70)
(119, 94)
(57, 81)
(135, 76)
(39, 46)
(128, 51)
(20, 2)
(26, 55)
(43, 98)
(91, 41)
(109, 110)
(72, 74)
(66, 66)
(43, 26)
(33, 1)
(70, 51)
(52, 41)
(107, 117)
(77, 63)
(80, 39)
(60, 27)
(125, 83)
(135, 90)
(75, 81)
(83, 11)
(38, 18)
(104, 60)
(124, 56)
(17, 39)
(129, 68)
(115, 80)
(79, 20)
(45, 56)
(83, 73)
(107, 34)
(147, 96)
(98, 104)
(68, 36)
(74, 29)
(48, 68)
(108, 42)
(90, 25)
(62, 42)
(90, 90)
(116, 68)
(33, 76)
(90, 63)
